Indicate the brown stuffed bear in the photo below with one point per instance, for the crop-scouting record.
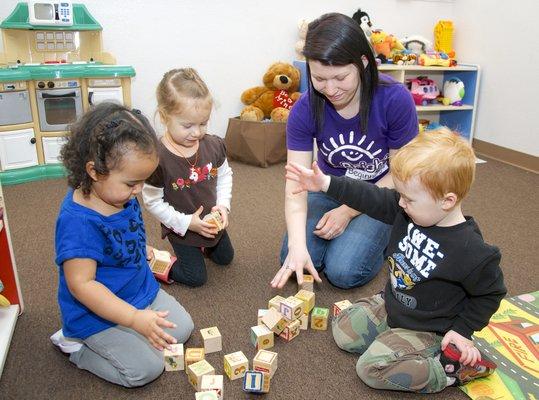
(275, 99)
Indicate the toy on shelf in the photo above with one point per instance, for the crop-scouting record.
(385, 45)
(417, 44)
(453, 92)
(364, 21)
(437, 59)
(423, 89)
(405, 57)
(303, 25)
(3, 301)
(443, 37)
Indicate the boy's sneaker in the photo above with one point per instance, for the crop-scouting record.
(65, 345)
(464, 373)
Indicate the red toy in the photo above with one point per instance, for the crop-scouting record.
(423, 89)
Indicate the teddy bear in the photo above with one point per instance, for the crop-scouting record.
(275, 99)
(303, 25)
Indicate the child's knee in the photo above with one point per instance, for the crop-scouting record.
(368, 372)
(349, 335)
(146, 372)
(184, 329)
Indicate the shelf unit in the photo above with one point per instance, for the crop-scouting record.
(458, 118)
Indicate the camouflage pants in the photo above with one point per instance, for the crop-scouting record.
(391, 358)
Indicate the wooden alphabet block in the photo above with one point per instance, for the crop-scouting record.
(212, 339)
(235, 365)
(261, 313)
(197, 370)
(261, 337)
(274, 320)
(256, 382)
(161, 263)
(275, 302)
(206, 395)
(304, 322)
(339, 306)
(265, 361)
(308, 299)
(292, 308)
(215, 219)
(308, 283)
(193, 355)
(174, 357)
(291, 330)
(212, 383)
(319, 318)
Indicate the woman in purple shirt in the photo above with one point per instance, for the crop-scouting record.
(358, 118)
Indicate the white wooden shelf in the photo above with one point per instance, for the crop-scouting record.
(436, 108)
(8, 317)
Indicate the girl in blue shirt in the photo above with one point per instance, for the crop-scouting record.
(116, 317)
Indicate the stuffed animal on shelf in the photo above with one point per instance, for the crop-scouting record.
(303, 25)
(453, 92)
(364, 21)
(416, 44)
(385, 45)
(275, 99)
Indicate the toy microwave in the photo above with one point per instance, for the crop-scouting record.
(50, 13)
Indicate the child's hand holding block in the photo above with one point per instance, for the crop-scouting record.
(235, 365)
(174, 357)
(197, 370)
(212, 339)
(307, 298)
(291, 308)
(291, 330)
(193, 355)
(215, 218)
(256, 382)
(319, 318)
(274, 320)
(265, 361)
(261, 337)
(339, 306)
(212, 383)
(161, 263)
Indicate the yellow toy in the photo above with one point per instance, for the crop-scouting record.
(385, 44)
(443, 37)
(4, 302)
(275, 99)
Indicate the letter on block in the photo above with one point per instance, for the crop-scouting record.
(292, 308)
(291, 330)
(196, 371)
(212, 339)
(206, 396)
(339, 306)
(308, 283)
(304, 322)
(235, 365)
(174, 357)
(193, 355)
(274, 320)
(308, 300)
(275, 302)
(212, 383)
(256, 382)
(265, 361)
(319, 318)
(261, 337)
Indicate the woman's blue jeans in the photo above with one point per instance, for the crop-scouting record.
(351, 259)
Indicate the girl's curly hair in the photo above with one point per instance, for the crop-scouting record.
(103, 135)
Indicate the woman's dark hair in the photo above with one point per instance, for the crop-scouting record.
(336, 39)
(103, 135)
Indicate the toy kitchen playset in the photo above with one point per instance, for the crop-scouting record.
(53, 68)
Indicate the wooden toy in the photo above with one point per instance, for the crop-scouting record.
(307, 298)
(235, 365)
(261, 337)
(212, 383)
(265, 361)
(291, 330)
(215, 219)
(212, 339)
(193, 355)
(308, 283)
(174, 357)
(197, 370)
(304, 322)
(291, 308)
(319, 318)
(160, 265)
(261, 313)
(275, 302)
(256, 382)
(339, 306)
(274, 320)
(206, 395)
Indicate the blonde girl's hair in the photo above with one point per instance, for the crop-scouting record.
(176, 86)
(443, 161)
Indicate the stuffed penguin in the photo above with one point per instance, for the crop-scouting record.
(364, 21)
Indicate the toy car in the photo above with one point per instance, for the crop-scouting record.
(424, 90)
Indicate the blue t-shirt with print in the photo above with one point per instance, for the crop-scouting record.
(118, 245)
(342, 148)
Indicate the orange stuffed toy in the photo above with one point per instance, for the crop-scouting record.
(275, 99)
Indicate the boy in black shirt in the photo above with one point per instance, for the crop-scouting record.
(445, 281)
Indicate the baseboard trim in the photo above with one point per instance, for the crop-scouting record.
(505, 155)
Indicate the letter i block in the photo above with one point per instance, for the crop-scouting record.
(339, 306)
(308, 300)
(308, 283)
(275, 302)
(235, 365)
(304, 322)
(261, 337)
(212, 339)
(265, 361)
(196, 371)
(193, 355)
(256, 382)
(261, 313)
(274, 320)
(292, 308)
(212, 383)
(174, 358)
(206, 396)
(319, 318)
(291, 330)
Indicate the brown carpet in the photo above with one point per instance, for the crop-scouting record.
(504, 202)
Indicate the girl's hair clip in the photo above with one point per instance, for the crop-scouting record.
(136, 111)
(112, 124)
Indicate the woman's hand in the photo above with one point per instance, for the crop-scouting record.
(224, 214)
(312, 180)
(150, 324)
(202, 227)
(334, 222)
(296, 261)
(469, 353)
